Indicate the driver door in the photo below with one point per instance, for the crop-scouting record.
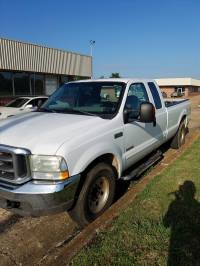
(139, 140)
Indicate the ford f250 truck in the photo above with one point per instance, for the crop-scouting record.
(70, 154)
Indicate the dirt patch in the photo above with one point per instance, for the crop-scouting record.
(25, 240)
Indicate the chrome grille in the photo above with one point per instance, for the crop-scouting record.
(14, 166)
(6, 166)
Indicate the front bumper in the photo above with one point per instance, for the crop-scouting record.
(33, 199)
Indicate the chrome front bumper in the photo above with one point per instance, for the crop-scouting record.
(33, 199)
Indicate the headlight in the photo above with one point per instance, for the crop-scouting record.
(48, 167)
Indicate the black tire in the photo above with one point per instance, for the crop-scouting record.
(96, 195)
(179, 139)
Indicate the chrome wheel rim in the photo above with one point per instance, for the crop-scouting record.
(98, 195)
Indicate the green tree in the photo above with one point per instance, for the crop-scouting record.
(115, 75)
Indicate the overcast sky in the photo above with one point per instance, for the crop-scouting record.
(137, 38)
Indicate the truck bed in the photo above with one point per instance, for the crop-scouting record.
(169, 102)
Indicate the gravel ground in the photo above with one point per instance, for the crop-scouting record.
(25, 241)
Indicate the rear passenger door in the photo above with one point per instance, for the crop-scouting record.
(160, 131)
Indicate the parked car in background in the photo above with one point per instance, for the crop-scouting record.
(164, 94)
(177, 93)
(21, 105)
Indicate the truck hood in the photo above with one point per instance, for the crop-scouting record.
(44, 133)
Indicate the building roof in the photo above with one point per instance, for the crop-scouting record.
(178, 82)
(21, 56)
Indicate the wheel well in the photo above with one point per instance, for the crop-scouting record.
(182, 119)
(108, 158)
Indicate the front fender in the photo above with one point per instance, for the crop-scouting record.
(78, 160)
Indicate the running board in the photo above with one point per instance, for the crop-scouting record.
(143, 167)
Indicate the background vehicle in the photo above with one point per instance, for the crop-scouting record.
(21, 105)
(177, 93)
(164, 94)
(71, 153)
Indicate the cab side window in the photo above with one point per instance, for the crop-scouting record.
(155, 95)
(40, 101)
(32, 102)
(37, 102)
(136, 95)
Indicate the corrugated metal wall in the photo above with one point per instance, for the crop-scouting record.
(21, 56)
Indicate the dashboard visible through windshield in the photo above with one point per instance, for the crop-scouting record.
(87, 98)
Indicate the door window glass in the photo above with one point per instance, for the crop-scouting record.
(136, 95)
(40, 101)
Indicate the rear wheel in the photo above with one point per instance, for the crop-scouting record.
(179, 139)
(96, 195)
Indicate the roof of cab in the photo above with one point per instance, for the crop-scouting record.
(125, 80)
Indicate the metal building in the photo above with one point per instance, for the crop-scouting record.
(29, 69)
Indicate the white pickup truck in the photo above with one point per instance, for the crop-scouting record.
(71, 153)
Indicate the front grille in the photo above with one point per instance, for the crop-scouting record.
(6, 166)
(14, 166)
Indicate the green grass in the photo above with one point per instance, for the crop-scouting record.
(160, 227)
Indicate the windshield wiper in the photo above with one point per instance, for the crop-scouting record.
(46, 110)
(71, 110)
(65, 111)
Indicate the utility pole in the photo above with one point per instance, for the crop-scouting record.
(92, 43)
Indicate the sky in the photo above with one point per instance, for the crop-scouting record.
(136, 38)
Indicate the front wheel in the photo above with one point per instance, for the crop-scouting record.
(97, 194)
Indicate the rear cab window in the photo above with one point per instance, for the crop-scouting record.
(155, 94)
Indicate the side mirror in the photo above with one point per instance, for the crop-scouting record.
(147, 113)
(28, 106)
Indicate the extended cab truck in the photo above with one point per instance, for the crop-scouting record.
(70, 153)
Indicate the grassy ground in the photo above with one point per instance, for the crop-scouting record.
(162, 227)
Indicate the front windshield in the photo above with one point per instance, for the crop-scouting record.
(17, 103)
(88, 98)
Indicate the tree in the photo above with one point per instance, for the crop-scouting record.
(115, 75)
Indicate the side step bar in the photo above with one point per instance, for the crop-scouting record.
(143, 166)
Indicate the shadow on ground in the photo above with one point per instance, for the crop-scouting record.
(9, 222)
(183, 218)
